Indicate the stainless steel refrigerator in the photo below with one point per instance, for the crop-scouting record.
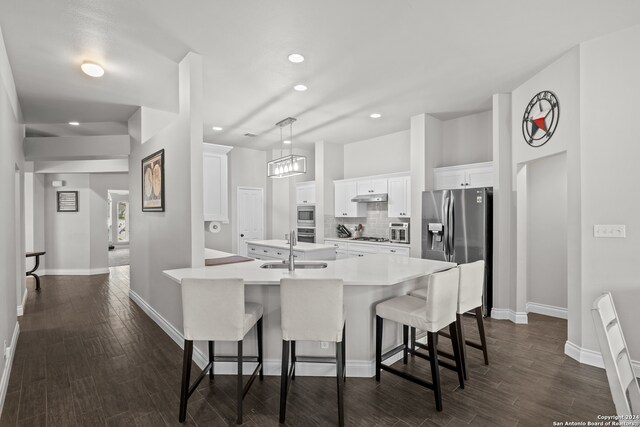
(457, 226)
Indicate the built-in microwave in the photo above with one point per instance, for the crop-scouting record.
(306, 216)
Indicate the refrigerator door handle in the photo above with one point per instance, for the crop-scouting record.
(451, 229)
(445, 220)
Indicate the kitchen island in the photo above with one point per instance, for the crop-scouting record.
(279, 249)
(368, 281)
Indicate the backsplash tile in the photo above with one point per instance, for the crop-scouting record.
(375, 224)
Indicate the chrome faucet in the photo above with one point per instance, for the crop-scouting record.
(292, 238)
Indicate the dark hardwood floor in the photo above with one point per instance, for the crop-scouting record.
(88, 356)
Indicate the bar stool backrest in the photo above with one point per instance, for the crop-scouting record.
(213, 309)
(471, 286)
(622, 381)
(442, 299)
(312, 309)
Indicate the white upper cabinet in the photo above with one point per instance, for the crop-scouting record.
(215, 201)
(463, 176)
(399, 205)
(371, 186)
(306, 193)
(344, 207)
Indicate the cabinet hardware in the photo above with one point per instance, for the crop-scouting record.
(264, 251)
(393, 250)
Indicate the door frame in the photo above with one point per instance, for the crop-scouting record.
(264, 212)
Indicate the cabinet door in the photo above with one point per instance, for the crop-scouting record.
(340, 199)
(449, 179)
(395, 251)
(300, 195)
(397, 198)
(344, 207)
(371, 186)
(214, 187)
(310, 194)
(481, 176)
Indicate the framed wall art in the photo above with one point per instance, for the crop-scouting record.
(67, 201)
(153, 182)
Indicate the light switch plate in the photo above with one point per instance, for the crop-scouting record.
(616, 231)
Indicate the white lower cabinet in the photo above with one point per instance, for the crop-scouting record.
(352, 250)
(268, 253)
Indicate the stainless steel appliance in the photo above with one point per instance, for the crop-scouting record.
(457, 226)
(306, 216)
(307, 235)
(399, 232)
(371, 198)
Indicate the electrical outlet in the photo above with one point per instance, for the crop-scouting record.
(324, 344)
(618, 231)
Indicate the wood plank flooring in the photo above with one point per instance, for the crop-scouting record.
(88, 356)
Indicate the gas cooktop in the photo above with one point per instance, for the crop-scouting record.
(371, 239)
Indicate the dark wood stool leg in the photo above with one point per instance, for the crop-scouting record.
(186, 377)
(293, 360)
(340, 379)
(344, 352)
(413, 341)
(259, 330)
(435, 372)
(378, 346)
(462, 344)
(405, 342)
(284, 380)
(211, 352)
(455, 343)
(239, 384)
(483, 339)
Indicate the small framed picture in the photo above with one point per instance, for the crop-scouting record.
(67, 201)
(153, 182)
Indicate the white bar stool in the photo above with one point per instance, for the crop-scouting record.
(438, 311)
(215, 310)
(471, 285)
(312, 310)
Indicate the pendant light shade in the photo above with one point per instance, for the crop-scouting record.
(290, 165)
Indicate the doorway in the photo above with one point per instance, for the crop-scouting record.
(250, 216)
(19, 249)
(118, 226)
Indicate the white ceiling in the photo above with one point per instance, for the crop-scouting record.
(398, 58)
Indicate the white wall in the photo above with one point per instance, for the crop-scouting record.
(547, 232)
(247, 168)
(467, 139)
(380, 155)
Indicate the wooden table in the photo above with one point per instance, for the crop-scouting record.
(35, 267)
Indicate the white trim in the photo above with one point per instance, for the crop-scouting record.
(76, 271)
(24, 301)
(520, 318)
(547, 310)
(4, 383)
(591, 357)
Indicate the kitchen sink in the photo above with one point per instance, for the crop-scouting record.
(299, 265)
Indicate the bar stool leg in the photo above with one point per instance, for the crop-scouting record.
(186, 377)
(284, 380)
(340, 379)
(211, 352)
(413, 341)
(405, 342)
(293, 360)
(462, 343)
(344, 352)
(378, 346)
(239, 384)
(455, 343)
(483, 339)
(435, 372)
(259, 330)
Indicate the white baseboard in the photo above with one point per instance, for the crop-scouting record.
(24, 301)
(547, 310)
(355, 368)
(591, 357)
(75, 271)
(4, 382)
(508, 314)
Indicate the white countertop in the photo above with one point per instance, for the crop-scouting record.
(372, 270)
(365, 242)
(282, 244)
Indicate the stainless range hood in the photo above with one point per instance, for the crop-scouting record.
(369, 198)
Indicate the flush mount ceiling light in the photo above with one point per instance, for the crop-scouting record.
(290, 165)
(375, 115)
(217, 128)
(74, 123)
(92, 69)
(300, 88)
(296, 58)
(286, 141)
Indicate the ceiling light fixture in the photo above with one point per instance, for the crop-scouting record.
(217, 128)
(74, 123)
(296, 58)
(375, 115)
(286, 141)
(92, 69)
(300, 88)
(290, 165)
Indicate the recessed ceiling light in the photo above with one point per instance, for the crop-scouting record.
(74, 123)
(217, 128)
(300, 88)
(286, 141)
(92, 69)
(375, 115)
(296, 58)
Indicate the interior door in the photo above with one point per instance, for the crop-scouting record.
(250, 216)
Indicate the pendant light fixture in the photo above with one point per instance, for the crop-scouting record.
(290, 165)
